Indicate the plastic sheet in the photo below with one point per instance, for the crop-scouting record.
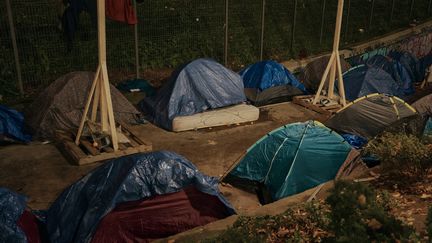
(61, 105)
(398, 72)
(75, 215)
(12, 125)
(198, 86)
(355, 141)
(361, 80)
(269, 82)
(411, 63)
(12, 206)
(294, 158)
(266, 74)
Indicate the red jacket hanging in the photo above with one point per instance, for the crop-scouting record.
(121, 10)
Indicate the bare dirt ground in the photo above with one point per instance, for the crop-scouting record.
(41, 172)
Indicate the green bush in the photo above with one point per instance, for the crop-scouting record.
(401, 153)
(357, 216)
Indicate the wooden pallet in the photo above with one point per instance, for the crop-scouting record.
(85, 153)
(304, 100)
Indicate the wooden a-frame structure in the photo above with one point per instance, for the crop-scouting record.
(100, 96)
(334, 65)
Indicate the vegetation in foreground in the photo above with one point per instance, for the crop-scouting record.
(353, 212)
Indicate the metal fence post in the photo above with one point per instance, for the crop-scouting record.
(392, 11)
(137, 65)
(322, 22)
(371, 15)
(294, 25)
(15, 47)
(429, 6)
(347, 20)
(411, 10)
(226, 34)
(262, 30)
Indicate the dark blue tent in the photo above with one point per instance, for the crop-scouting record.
(411, 63)
(398, 72)
(198, 86)
(12, 125)
(269, 82)
(362, 80)
(75, 215)
(12, 206)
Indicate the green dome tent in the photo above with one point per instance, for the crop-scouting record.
(293, 158)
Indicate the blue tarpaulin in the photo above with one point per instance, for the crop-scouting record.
(198, 86)
(362, 80)
(12, 206)
(74, 216)
(355, 141)
(12, 125)
(265, 74)
(398, 72)
(411, 63)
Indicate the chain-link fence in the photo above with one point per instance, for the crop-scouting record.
(171, 32)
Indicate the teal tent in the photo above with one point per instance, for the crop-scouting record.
(293, 158)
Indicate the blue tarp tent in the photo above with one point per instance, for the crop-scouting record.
(198, 86)
(12, 125)
(269, 82)
(411, 63)
(398, 72)
(363, 80)
(294, 158)
(12, 206)
(75, 215)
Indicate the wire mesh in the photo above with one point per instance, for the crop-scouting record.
(172, 32)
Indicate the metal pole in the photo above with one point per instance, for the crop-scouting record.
(137, 65)
(429, 6)
(347, 20)
(226, 33)
(392, 10)
(262, 29)
(322, 21)
(294, 25)
(411, 10)
(15, 47)
(371, 15)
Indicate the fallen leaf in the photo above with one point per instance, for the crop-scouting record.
(374, 224)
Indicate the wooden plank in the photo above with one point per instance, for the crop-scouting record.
(87, 106)
(311, 106)
(220, 117)
(131, 135)
(115, 154)
(89, 147)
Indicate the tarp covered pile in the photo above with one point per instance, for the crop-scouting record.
(270, 82)
(12, 126)
(198, 86)
(60, 106)
(135, 198)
